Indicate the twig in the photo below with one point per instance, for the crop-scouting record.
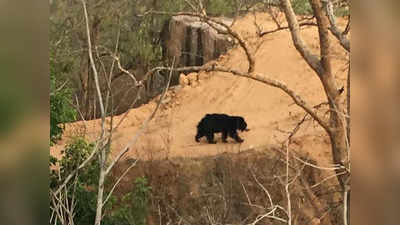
(279, 28)
(191, 5)
(327, 178)
(142, 129)
(268, 215)
(278, 84)
(264, 189)
(59, 88)
(248, 199)
(82, 165)
(289, 204)
(333, 167)
(125, 71)
(119, 180)
(79, 111)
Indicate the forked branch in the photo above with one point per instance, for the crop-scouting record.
(341, 36)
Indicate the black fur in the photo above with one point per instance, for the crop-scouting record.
(220, 123)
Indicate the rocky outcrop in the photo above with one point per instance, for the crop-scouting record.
(193, 42)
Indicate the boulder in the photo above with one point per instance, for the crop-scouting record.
(193, 42)
(183, 80)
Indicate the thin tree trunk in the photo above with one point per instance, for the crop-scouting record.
(337, 122)
(348, 105)
(100, 191)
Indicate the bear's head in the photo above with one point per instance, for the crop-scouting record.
(241, 124)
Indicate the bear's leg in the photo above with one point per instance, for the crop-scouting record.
(235, 136)
(198, 136)
(224, 136)
(210, 138)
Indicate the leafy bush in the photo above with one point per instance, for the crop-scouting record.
(302, 7)
(221, 8)
(60, 109)
(83, 191)
(131, 209)
(342, 11)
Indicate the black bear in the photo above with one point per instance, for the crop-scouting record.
(216, 123)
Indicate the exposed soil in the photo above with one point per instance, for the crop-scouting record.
(268, 111)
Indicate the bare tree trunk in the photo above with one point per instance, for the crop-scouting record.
(337, 118)
(101, 138)
(100, 191)
(348, 105)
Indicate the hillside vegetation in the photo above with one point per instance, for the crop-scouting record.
(168, 178)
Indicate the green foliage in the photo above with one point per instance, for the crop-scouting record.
(302, 7)
(60, 109)
(140, 200)
(74, 154)
(131, 209)
(83, 190)
(342, 11)
(221, 8)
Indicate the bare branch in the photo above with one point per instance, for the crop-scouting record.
(348, 120)
(296, 98)
(214, 23)
(82, 165)
(341, 36)
(333, 167)
(271, 209)
(327, 178)
(311, 59)
(103, 154)
(264, 189)
(248, 199)
(142, 129)
(95, 74)
(273, 15)
(258, 28)
(324, 42)
(347, 29)
(132, 76)
(255, 76)
(59, 88)
(268, 215)
(119, 180)
(302, 24)
(191, 6)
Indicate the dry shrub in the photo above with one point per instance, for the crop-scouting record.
(226, 189)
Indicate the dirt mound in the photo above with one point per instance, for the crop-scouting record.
(225, 189)
(269, 112)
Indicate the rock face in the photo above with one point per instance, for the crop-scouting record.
(192, 42)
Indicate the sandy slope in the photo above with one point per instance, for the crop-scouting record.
(267, 110)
